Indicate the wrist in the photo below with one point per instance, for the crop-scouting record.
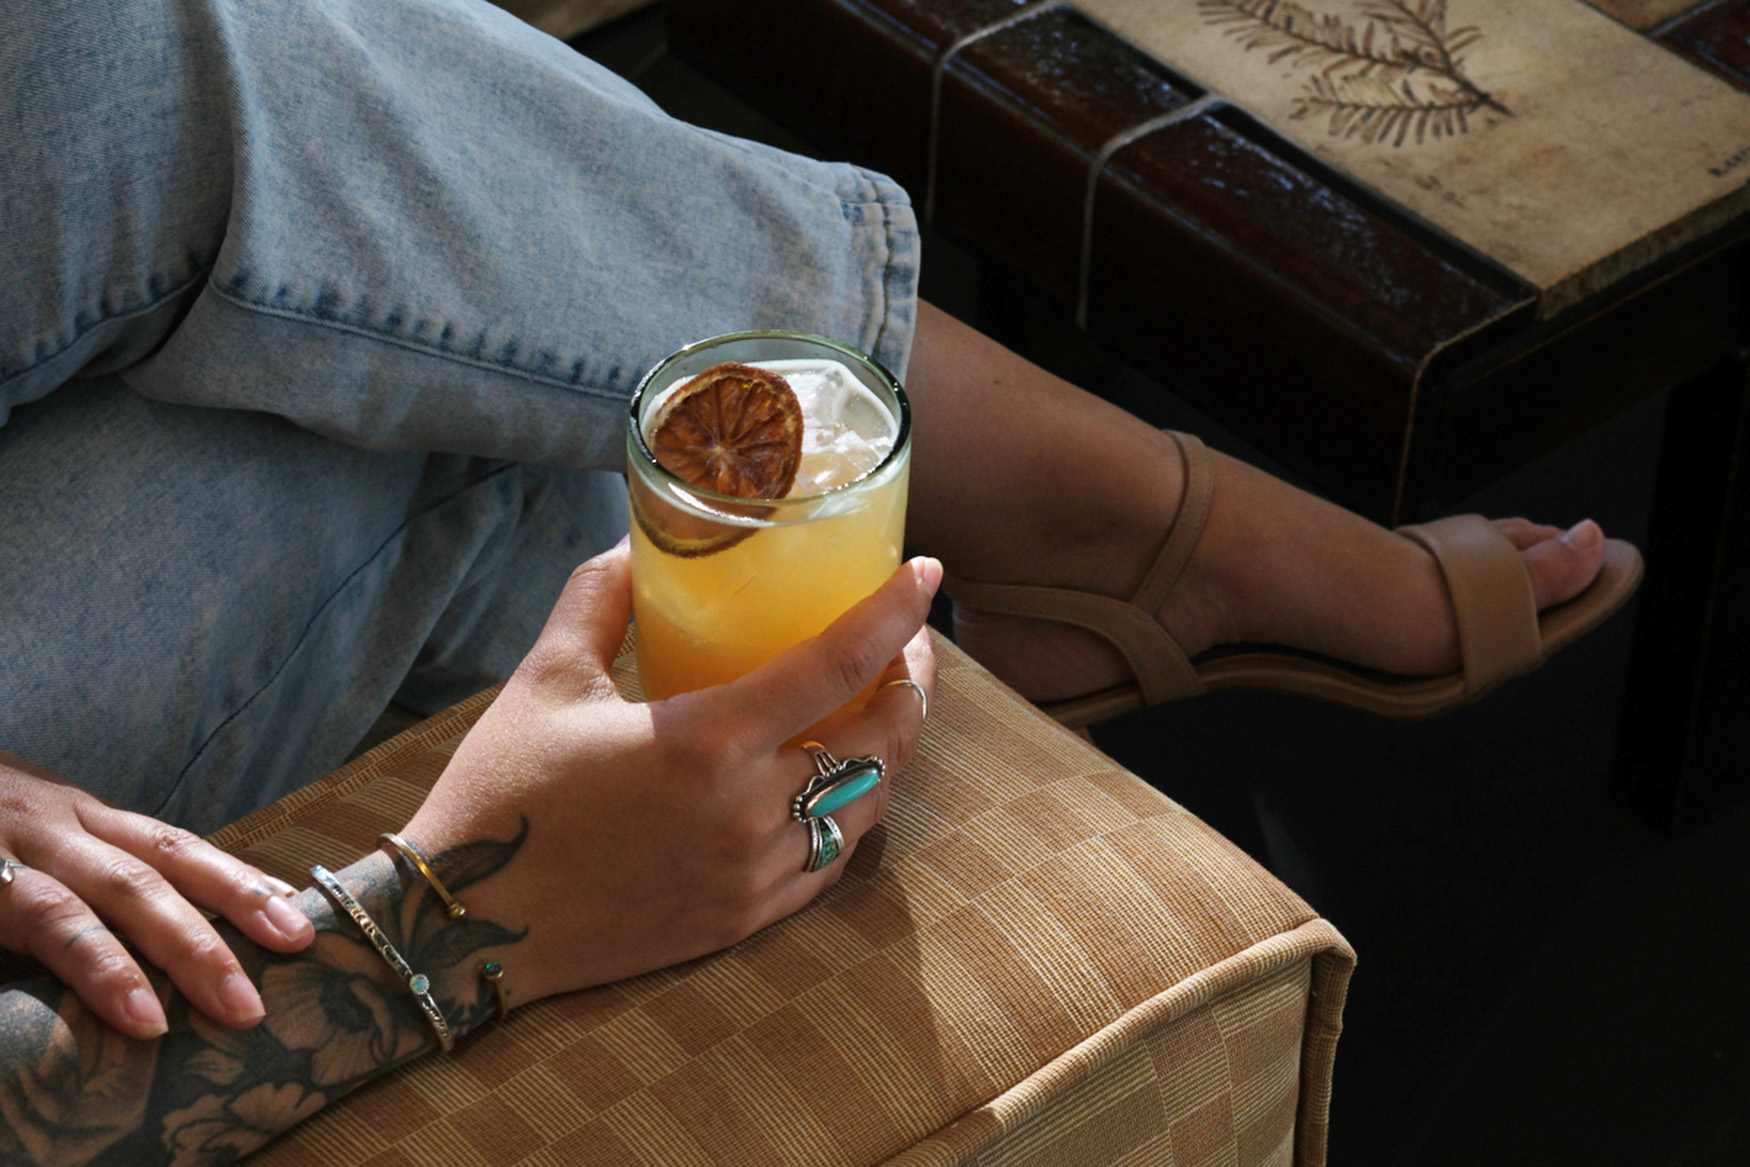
(479, 921)
(383, 941)
(444, 957)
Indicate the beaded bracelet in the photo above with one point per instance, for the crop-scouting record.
(417, 983)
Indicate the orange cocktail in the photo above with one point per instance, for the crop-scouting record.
(722, 582)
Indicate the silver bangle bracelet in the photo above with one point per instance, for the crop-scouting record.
(417, 983)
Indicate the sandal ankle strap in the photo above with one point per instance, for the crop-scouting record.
(1186, 529)
(1161, 668)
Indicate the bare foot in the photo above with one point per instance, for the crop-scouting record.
(1276, 565)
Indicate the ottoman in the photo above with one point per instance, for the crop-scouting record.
(1037, 958)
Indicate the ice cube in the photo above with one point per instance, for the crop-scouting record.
(846, 431)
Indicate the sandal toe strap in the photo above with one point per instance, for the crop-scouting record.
(1498, 634)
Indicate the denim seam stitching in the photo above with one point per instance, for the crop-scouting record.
(107, 318)
(886, 270)
(412, 346)
(321, 611)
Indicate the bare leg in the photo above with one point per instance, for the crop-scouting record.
(1020, 477)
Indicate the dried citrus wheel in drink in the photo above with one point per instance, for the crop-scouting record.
(734, 430)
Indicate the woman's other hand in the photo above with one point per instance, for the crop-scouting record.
(89, 868)
(662, 832)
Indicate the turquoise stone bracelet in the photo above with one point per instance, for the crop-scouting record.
(417, 983)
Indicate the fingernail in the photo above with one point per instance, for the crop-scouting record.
(286, 920)
(929, 574)
(147, 1014)
(1583, 535)
(240, 998)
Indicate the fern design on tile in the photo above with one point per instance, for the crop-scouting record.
(1394, 73)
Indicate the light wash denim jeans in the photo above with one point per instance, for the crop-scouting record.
(317, 322)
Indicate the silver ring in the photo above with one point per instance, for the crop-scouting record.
(824, 762)
(825, 843)
(915, 688)
(835, 783)
(7, 867)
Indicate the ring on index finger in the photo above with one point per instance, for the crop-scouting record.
(7, 867)
(835, 783)
(923, 697)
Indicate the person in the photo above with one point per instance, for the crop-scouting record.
(317, 330)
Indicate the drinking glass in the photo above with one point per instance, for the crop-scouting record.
(722, 584)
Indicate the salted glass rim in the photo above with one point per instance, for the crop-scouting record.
(901, 436)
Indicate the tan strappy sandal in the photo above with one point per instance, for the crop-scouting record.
(1501, 634)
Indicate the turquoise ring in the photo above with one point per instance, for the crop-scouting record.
(835, 784)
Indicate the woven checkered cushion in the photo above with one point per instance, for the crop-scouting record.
(1037, 959)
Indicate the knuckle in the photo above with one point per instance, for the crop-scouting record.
(203, 946)
(50, 910)
(171, 843)
(858, 658)
(128, 878)
(585, 574)
(708, 756)
(744, 834)
(582, 574)
(110, 965)
(731, 745)
(544, 665)
(251, 884)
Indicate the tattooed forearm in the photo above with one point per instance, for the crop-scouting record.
(74, 1091)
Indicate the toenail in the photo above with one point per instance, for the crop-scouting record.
(1583, 535)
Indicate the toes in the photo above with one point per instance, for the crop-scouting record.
(1564, 563)
(1523, 533)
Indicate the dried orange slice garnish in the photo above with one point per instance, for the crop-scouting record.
(733, 429)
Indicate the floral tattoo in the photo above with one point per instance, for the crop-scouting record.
(74, 1091)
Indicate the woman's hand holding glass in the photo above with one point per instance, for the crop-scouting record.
(656, 832)
(660, 832)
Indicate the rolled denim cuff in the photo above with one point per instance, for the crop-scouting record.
(422, 225)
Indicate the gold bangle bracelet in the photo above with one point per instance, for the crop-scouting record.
(411, 852)
(492, 973)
